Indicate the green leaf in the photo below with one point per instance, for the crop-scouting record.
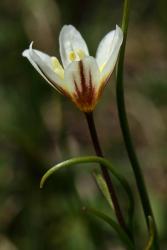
(151, 234)
(103, 187)
(119, 231)
(118, 176)
(95, 159)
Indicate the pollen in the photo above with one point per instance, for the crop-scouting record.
(76, 55)
(58, 69)
(72, 56)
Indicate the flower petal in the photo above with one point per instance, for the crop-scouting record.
(42, 63)
(83, 83)
(108, 51)
(104, 48)
(70, 40)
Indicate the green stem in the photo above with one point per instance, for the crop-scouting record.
(125, 127)
(98, 150)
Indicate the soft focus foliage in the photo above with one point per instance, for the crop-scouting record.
(39, 128)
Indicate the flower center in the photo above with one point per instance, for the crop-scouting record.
(76, 55)
(58, 69)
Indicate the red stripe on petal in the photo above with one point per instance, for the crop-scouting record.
(85, 94)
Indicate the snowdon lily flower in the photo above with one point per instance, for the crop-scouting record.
(82, 77)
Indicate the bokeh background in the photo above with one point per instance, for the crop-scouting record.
(39, 127)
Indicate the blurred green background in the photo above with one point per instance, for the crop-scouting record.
(39, 127)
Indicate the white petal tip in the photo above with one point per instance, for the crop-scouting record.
(25, 53)
(118, 29)
(31, 44)
(68, 26)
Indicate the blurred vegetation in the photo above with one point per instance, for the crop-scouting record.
(39, 127)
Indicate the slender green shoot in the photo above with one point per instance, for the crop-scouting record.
(92, 159)
(117, 228)
(125, 127)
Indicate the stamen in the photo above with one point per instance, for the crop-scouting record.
(58, 69)
(72, 56)
(76, 55)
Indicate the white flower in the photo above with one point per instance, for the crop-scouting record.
(82, 77)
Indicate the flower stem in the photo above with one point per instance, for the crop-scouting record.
(98, 150)
(126, 131)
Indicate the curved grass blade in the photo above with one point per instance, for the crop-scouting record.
(93, 159)
(151, 234)
(119, 231)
